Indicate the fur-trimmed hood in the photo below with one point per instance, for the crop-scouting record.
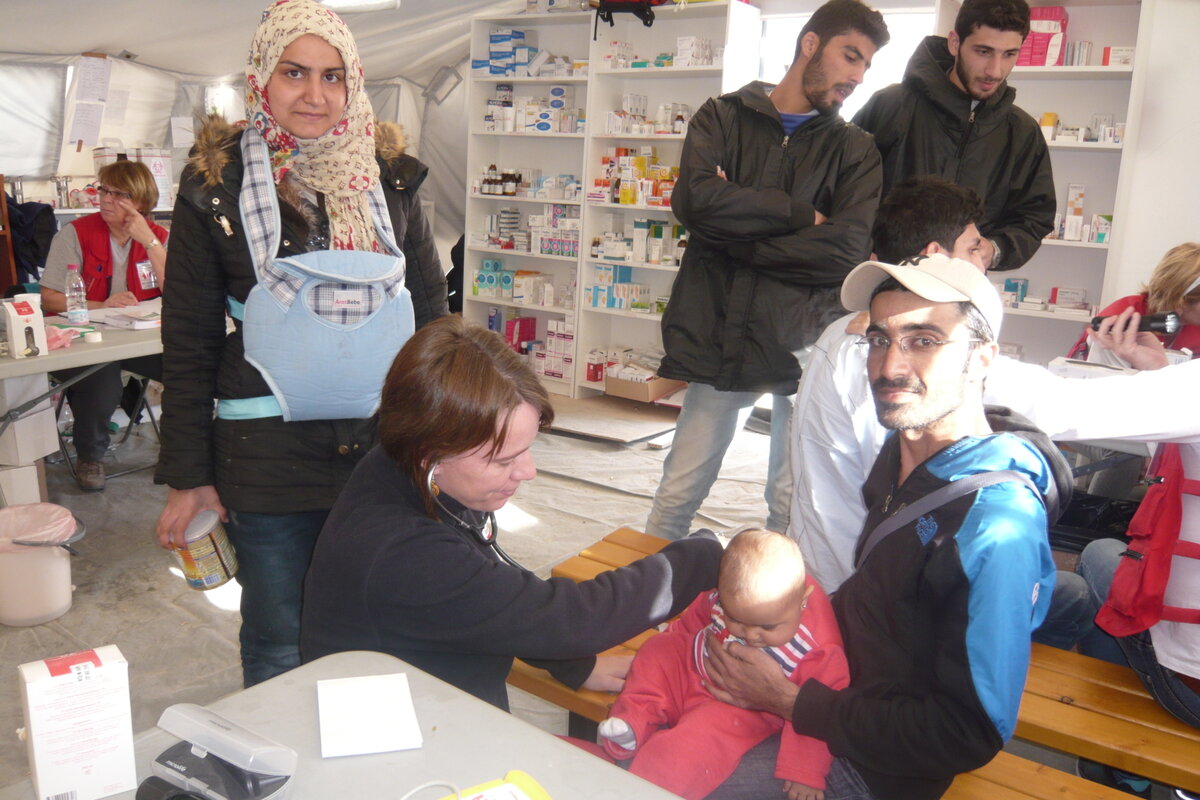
(212, 152)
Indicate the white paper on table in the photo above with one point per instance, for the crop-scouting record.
(371, 714)
(141, 310)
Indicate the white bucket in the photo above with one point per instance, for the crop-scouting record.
(35, 579)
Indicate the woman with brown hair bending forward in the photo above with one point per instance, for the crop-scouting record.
(408, 564)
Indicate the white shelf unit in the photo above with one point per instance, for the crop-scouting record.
(563, 34)
(1075, 94)
(735, 26)
(730, 24)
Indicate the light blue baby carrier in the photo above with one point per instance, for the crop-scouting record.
(322, 327)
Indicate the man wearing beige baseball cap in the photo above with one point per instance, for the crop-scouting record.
(953, 568)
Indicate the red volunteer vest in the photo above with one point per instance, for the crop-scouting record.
(97, 266)
(1135, 600)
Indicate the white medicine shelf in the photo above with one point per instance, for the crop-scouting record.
(634, 264)
(551, 135)
(642, 137)
(510, 199)
(501, 301)
(528, 79)
(549, 18)
(618, 312)
(1073, 73)
(1110, 147)
(1028, 312)
(1066, 243)
(628, 206)
(661, 72)
(522, 253)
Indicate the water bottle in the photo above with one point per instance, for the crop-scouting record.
(77, 307)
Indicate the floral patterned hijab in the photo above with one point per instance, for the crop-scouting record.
(341, 162)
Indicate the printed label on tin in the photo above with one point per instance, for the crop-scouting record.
(208, 561)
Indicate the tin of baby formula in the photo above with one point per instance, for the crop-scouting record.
(208, 560)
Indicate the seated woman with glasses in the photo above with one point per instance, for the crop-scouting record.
(121, 255)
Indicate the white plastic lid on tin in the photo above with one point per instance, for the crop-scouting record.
(201, 525)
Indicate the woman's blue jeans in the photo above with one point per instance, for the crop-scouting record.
(273, 552)
(1097, 565)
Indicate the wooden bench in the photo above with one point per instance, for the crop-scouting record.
(1072, 703)
(1101, 711)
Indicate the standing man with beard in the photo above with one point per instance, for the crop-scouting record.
(954, 116)
(778, 194)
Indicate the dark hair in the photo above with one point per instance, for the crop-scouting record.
(921, 210)
(449, 391)
(972, 317)
(842, 16)
(1003, 15)
(133, 177)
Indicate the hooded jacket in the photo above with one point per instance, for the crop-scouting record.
(937, 619)
(758, 280)
(926, 126)
(260, 465)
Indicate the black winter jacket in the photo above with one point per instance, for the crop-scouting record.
(759, 280)
(925, 126)
(387, 577)
(259, 465)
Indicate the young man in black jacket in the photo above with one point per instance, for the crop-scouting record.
(778, 194)
(955, 116)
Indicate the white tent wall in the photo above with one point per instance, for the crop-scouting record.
(183, 47)
(31, 115)
(134, 115)
(444, 151)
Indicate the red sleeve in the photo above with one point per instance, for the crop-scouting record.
(695, 617)
(804, 759)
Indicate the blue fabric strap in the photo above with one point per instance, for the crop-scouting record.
(248, 407)
(237, 309)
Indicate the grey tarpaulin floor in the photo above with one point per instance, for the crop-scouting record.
(182, 644)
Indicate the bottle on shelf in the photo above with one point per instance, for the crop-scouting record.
(508, 182)
(491, 184)
(76, 292)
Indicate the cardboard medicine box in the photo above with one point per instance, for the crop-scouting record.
(78, 725)
(644, 391)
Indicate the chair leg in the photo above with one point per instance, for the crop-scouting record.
(141, 405)
(62, 440)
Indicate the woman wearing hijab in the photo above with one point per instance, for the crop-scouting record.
(296, 228)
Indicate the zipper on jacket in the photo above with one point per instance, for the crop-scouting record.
(786, 137)
(962, 145)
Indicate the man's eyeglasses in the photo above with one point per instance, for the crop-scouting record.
(915, 344)
(104, 191)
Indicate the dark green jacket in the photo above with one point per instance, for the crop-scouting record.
(759, 281)
(925, 126)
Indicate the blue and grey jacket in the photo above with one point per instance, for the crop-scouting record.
(937, 619)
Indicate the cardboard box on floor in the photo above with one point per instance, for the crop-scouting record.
(644, 391)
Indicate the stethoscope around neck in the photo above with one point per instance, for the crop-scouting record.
(485, 532)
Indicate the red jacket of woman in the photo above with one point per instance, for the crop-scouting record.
(97, 266)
